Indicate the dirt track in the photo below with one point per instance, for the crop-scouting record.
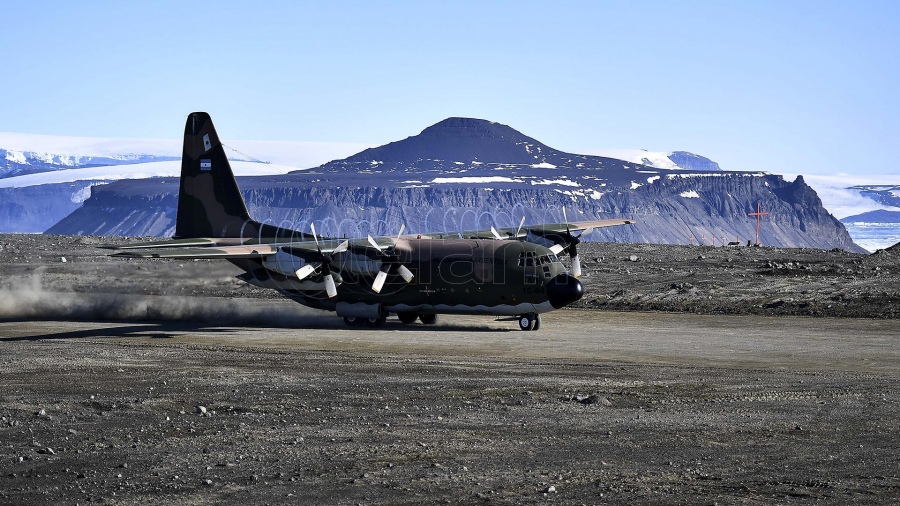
(674, 408)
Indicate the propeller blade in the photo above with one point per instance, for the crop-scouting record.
(405, 273)
(520, 226)
(496, 234)
(373, 243)
(557, 249)
(379, 281)
(576, 266)
(330, 287)
(565, 219)
(305, 271)
(312, 226)
(342, 247)
(402, 228)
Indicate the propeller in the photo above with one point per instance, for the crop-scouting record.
(500, 237)
(323, 262)
(391, 261)
(521, 223)
(572, 247)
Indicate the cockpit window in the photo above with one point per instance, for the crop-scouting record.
(549, 259)
(527, 259)
(531, 259)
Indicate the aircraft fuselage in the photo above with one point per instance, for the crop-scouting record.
(451, 276)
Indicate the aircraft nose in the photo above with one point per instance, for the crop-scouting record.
(564, 289)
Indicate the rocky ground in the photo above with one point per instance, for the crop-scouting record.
(620, 277)
(154, 399)
(717, 280)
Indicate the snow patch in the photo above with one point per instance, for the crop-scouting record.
(85, 193)
(563, 182)
(690, 194)
(16, 157)
(635, 185)
(473, 179)
(651, 179)
(543, 165)
(657, 159)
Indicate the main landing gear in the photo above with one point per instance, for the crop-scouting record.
(406, 318)
(410, 318)
(352, 321)
(529, 321)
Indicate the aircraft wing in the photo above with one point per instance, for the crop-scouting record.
(540, 229)
(585, 227)
(206, 248)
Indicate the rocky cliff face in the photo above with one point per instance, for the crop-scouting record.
(32, 209)
(470, 174)
(676, 210)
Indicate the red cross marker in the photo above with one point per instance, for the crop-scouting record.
(758, 213)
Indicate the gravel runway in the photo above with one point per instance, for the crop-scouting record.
(691, 375)
(598, 408)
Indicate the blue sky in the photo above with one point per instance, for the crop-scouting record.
(782, 86)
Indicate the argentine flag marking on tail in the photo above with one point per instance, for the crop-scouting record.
(205, 164)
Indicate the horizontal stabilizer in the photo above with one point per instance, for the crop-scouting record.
(250, 251)
(171, 243)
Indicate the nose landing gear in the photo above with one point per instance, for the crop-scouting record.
(529, 321)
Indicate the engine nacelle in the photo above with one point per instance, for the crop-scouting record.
(284, 263)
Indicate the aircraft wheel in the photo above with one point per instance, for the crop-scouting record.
(407, 318)
(537, 322)
(428, 319)
(352, 321)
(527, 321)
(375, 322)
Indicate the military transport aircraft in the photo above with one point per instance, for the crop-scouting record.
(511, 272)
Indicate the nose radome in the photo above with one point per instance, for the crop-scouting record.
(564, 289)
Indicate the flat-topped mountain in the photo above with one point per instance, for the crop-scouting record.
(464, 173)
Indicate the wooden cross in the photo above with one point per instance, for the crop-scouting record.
(758, 213)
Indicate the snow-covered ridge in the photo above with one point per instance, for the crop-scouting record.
(674, 160)
(171, 168)
(67, 151)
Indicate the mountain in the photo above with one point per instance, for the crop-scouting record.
(877, 216)
(465, 173)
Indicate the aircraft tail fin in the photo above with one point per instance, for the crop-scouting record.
(209, 201)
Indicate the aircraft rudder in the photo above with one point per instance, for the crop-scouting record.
(209, 201)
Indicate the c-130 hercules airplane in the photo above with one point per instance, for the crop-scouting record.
(510, 272)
